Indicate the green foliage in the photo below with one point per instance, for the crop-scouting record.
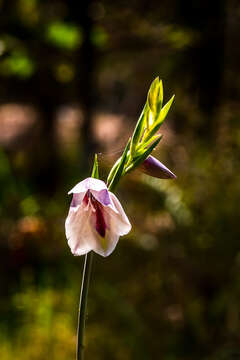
(64, 35)
(158, 120)
(29, 206)
(18, 64)
(155, 96)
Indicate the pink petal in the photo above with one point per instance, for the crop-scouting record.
(114, 225)
(105, 246)
(119, 219)
(97, 187)
(102, 196)
(83, 235)
(78, 230)
(111, 242)
(98, 230)
(76, 200)
(89, 183)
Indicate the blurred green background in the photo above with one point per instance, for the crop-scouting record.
(73, 80)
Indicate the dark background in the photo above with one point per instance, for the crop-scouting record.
(73, 81)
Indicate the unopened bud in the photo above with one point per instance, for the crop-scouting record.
(153, 167)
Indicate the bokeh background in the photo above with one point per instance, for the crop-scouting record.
(73, 81)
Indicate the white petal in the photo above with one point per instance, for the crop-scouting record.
(117, 224)
(76, 200)
(119, 220)
(88, 184)
(81, 225)
(78, 230)
(105, 247)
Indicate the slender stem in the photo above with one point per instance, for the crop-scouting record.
(83, 305)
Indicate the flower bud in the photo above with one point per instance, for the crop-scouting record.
(153, 167)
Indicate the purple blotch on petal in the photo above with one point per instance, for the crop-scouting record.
(102, 196)
(100, 222)
(76, 200)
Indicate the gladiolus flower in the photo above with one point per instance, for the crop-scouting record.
(153, 167)
(95, 220)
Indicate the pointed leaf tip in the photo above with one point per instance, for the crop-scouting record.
(95, 172)
(165, 110)
(155, 95)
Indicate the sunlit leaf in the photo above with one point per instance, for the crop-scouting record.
(160, 120)
(155, 96)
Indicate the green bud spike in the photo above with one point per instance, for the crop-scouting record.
(145, 137)
(120, 168)
(95, 173)
(160, 120)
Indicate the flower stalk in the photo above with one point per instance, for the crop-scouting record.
(87, 268)
(83, 305)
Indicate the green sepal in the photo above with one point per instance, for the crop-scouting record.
(155, 96)
(119, 171)
(139, 129)
(113, 170)
(153, 138)
(95, 172)
(160, 119)
(142, 157)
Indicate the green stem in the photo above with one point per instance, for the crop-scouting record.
(83, 305)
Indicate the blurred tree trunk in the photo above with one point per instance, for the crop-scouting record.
(206, 56)
(47, 98)
(86, 61)
(47, 172)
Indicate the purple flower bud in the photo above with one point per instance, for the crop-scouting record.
(153, 167)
